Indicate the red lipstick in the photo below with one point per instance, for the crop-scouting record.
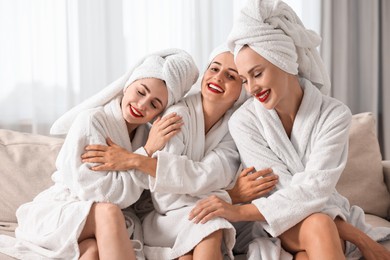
(263, 95)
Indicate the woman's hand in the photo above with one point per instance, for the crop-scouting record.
(213, 207)
(111, 157)
(250, 186)
(162, 131)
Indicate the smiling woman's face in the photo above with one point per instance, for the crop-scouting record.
(261, 79)
(143, 100)
(221, 82)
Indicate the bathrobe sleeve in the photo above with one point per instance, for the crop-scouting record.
(118, 187)
(298, 194)
(181, 175)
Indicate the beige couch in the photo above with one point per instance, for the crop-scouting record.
(27, 162)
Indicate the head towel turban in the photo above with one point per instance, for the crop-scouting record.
(174, 66)
(273, 30)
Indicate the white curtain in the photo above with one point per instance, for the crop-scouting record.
(356, 37)
(56, 53)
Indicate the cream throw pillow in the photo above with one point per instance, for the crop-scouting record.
(362, 181)
(27, 162)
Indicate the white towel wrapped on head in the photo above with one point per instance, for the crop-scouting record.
(174, 66)
(273, 30)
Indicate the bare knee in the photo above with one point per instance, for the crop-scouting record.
(317, 222)
(88, 249)
(108, 212)
(208, 247)
(109, 216)
(310, 230)
(318, 226)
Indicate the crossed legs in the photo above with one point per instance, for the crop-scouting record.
(104, 235)
(318, 236)
(315, 237)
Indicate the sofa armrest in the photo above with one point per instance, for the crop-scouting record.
(386, 173)
(386, 176)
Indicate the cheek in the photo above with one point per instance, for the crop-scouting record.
(236, 92)
(153, 114)
(247, 88)
(203, 82)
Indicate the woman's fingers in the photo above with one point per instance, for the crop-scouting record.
(171, 134)
(260, 173)
(96, 147)
(109, 141)
(94, 160)
(264, 192)
(246, 171)
(208, 209)
(199, 208)
(101, 167)
(92, 154)
(171, 128)
(169, 121)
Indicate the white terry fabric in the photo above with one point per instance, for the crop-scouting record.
(174, 66)
(308, 164)
(50, 225)
(272, 29)
(191, 166)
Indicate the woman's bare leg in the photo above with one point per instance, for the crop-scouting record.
(370, 249)
(301, 256)
(188, 256)
(88, 249)
(317, 235)
(210, 247)
(106, 224)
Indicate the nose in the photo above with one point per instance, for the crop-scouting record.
(218, 76)
(142, 103)
(250, 87)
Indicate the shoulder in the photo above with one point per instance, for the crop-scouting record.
(179, 108)
(88, 119)
(335, 117)
(333, 109)
(244, 115)
(185, 108)
(244, 112)
(244, 119)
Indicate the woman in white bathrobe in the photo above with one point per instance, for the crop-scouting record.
(199, 161)
(80, 215)
(292, 126)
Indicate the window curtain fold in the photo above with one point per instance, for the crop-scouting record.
(56, 54)
(355, 49)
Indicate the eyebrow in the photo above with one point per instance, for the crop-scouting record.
(255, 67)
(220, 64)
(148, 90)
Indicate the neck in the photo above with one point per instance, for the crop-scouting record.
(131, 130)
(213, 112)
(288, 110)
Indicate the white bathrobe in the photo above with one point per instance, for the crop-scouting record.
(50, 225)
(308, 164)
(192, 166)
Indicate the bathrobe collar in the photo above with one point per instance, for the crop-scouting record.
(294, 148)
(116, 120)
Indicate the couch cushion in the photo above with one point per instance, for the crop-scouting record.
(362, 181)
(26, 164)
